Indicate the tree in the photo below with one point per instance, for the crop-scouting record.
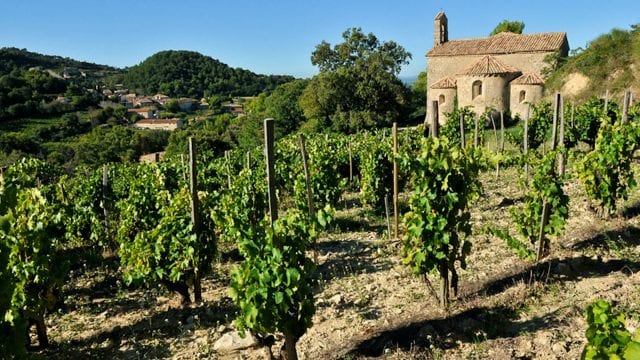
(284, 106)
(358, 85)
(515, 27)
(419, 97)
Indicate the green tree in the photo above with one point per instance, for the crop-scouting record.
(358, 85)
(419, 97)
(284, 106)
(508, 26)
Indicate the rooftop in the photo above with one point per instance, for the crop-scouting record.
(445, 83)
(489, 65)
(528, 79)
(502, 43)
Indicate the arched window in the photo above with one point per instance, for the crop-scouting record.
(523, 96)
(441, 99)
(476, 89)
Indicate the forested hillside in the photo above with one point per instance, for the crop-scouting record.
(191, 74)
(12, 58)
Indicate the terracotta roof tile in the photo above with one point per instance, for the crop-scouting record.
(444, 83)
(488, 65)
(159, 121)
(501, 43)
(528, 79)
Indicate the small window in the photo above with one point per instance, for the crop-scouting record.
(441, 99)
(523, 96)
(476, 89)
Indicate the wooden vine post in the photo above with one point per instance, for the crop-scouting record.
(269, 158)
(105, 196)
(386, 210)
(307, 176)
(625, 107)
(350, 163)
(195, 215)
(475, 132)
(606, 102)
(307, 179)
(561, 160)
(462, 139)
(248, 160)
(545, 205)
(184, 171)
(227, 160)
(526, 140)
(501, 131)
(435, 125)
(394, 134)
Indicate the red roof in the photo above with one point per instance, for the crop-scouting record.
(159, 121)
(502, 43)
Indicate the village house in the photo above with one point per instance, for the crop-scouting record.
(142, 102)
(160, 124)
(502, 72)
(187, 104)
(236, 109)
(145, 112)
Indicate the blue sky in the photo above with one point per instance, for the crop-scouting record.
(278, 36)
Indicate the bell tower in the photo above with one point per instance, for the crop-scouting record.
(440, 29)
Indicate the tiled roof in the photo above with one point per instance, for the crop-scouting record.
(142, 109)
(488, 65)
(444, 83)
(528, 79)
(501, 43)
(159, 121)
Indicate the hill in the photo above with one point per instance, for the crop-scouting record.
(191, 74)
(610, 62)
(13, 58)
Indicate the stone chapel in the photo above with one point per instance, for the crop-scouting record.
(502, 71)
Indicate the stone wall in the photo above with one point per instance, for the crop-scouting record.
(494, 93)
(439, 67)
(533, 93)
(443, 108)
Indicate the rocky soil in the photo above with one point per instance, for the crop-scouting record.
(369, 305)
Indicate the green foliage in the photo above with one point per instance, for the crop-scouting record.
(418, 103)
(357, 87)
(376, 170)
(540, 122)
(190, 74)
(606, 172)
(615, 52)
(283, 105)
(587, 119)
(273, 286)
(31, 232)
(508, 26)
(451, 128)
(326, 184)
(545, 185)
(13, 58)
(607, 337)
(445, 182)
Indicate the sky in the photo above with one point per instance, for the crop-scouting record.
(278, 36)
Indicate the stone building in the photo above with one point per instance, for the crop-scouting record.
(502, 72)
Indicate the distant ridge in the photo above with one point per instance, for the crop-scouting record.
(191, 74)
(11, 58)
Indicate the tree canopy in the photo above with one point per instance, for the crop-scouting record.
(191, 74)
(515, 27)
(358, 85)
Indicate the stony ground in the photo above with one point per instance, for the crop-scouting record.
(368, 305)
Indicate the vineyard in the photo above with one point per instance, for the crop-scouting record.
(482, 242)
